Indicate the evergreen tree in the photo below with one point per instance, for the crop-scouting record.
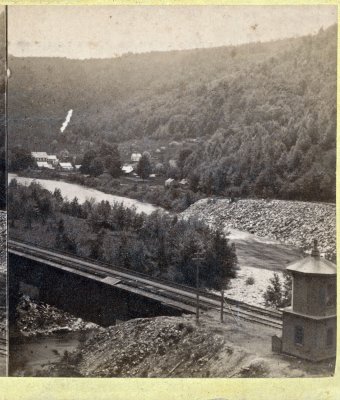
(144, 166)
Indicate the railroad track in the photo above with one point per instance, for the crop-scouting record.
(160, 287)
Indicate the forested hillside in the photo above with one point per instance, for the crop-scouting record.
(265, 113)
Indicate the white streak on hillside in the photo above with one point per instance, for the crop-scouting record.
(67, 120)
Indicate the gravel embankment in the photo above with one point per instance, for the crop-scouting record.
(177, 347)
(294, 223)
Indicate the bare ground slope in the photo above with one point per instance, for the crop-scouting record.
(293, 223)
(177, 347)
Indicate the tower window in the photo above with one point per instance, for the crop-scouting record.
(298, 335)
(330, 337)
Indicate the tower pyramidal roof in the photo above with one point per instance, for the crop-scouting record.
(313, 264)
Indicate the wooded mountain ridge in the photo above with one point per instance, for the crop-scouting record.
(265, 112)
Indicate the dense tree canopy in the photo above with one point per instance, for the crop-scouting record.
(105, 158)
(263, 114)
(161, 245)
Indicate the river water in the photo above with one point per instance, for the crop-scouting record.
(83, 193)
(33, 355)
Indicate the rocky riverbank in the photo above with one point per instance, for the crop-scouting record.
(293, 223)
(37, 318)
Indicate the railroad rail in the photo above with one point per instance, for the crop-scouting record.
(178, 295)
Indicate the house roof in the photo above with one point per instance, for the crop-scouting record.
(39, 154)
(136, 157)
(127, 168)
(52, 157)
(313, 264)
(65, 165)
(44, 164)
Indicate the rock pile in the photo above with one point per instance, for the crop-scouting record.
(177, 347)
(294, 223)
(37, 318)
(158, 347)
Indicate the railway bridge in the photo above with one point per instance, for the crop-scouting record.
(102, 293)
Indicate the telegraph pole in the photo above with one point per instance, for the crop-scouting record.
(222, 304)
(198, 258)
(197, 294)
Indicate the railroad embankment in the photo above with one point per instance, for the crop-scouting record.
(294, 223)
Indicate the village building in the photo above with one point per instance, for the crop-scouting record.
(135, 157)
(40, 156)
(66, 166)
(52, 160)
(309, 324)
(127, 169)
(169, 182)
(44, 164)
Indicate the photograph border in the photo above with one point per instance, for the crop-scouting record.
(327, 388)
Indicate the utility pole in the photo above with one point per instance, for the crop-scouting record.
(222, 304)
(197, 294)
(198, 258)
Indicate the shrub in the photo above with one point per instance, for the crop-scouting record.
(250, 281)
(278, 294)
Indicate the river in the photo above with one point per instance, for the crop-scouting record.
(83, 193)
(33, 355)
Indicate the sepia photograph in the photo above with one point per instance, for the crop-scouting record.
(171, 191)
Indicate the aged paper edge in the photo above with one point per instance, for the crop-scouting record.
(174, 388)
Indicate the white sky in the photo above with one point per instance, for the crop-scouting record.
(108, 31)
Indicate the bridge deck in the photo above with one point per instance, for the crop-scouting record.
(169, 293)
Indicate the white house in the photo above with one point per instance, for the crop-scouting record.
(44, 164)
(66, 166)
(53, 160)
(135, 157)
(169, 182)
(127, 168)
(39, 156)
